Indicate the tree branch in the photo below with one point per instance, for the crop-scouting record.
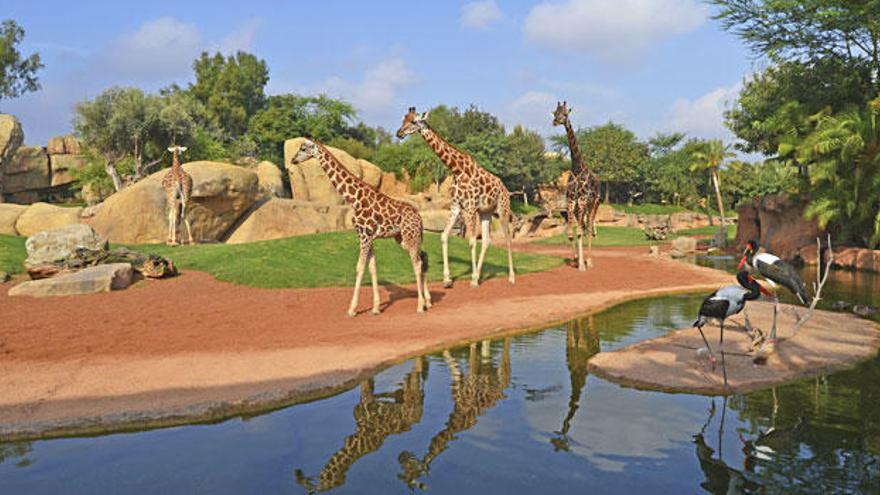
(818, 284)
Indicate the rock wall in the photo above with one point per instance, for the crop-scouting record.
(11, 137)
(777, 222)
(33, 173)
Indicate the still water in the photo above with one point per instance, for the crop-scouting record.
(509, 416)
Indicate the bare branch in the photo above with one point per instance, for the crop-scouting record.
(818, 284)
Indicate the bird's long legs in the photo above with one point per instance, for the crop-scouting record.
(711, 354)
(775, 313)
(721, 350)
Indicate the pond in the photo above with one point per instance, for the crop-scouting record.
(513, 415)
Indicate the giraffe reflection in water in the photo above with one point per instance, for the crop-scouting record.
(580, 345)
(377, 416)
(473, 393)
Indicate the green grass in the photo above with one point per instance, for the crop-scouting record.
(328, 260)
(12, 254)
(649, 209)
(708, 230)
(607, 237)
(520, 208)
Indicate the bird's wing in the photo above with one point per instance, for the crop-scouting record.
(783, 274)
(714, 307)
(731, 292)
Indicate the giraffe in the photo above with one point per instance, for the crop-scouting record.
(377, 416)
(581, 193)
(580, 346)
(375, 215)
(476, 195)
(473, 394)
(178, 187)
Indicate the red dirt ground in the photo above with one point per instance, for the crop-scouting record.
(190, 345)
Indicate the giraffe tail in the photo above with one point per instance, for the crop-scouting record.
(423, 255)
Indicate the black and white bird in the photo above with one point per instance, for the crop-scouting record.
(776, 272)
(726, 302)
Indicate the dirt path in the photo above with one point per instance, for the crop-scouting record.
(171, 351)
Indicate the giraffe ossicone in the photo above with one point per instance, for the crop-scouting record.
(375, 216)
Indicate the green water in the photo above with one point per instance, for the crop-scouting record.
(509, 416)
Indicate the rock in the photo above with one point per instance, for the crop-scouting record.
(102, 278)
(309, 181)
(148, 265)
(864, 311)
(392, 187)
(372, 174)
(71, 145)
(269, 178)
(840, 305)
(780, 225)
(43, 216)
(27, 169)
(222, 193)
(4, 277)
(51, 246)
(11, 137)
(434, 220)
(9, 214)
(605, 214)
(63, 165)
(682, 246)
(278, 218)
(55, 146)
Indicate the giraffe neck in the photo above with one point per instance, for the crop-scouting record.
(339, 175)
(175, 161)
(457, 161)
(576, 163)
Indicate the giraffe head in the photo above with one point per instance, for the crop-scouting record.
(308, 149)
(560, 115)
(177, 149)
(412, 123)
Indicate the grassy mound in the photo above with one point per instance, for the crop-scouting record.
(12, 254)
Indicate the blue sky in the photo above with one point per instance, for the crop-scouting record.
(652, 65)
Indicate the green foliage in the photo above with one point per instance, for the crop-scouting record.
(17, 74)
(708, 231)
(412, 156)
(607, 237)
(94, 174)
(231, 88)
(12, 254)
(666, 175)
(744, 181)
(353, 147)
(328, 260)
(649, 209)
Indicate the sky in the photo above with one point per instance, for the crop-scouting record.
(651, 65)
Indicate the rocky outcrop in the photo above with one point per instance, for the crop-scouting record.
(43, 216)
(222, 193)
(270, 180)
(61, 167)
(24, 173)
(308, 182)
(101, 278)
(11, 137)
(51, 246)
(779, 223)
(848, 258)
(9, 214)
(683, 246)
(278, 218)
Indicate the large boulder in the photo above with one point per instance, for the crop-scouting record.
(43, 216)
(270, 180)
(27, 169)
(222, 193)
(9, 214)
(101, 278)
(779, 223)
(682, 246)
(434, 220)
(51, 246)
(371, 174)
(11, 137)
(63, 165)
(277, 218)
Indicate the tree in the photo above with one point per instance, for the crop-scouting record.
(666, 174)
(17, 74)
(806, 30)
(232, 89)
(710, 158)
(127, 124)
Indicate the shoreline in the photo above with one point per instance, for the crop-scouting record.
(92, 380)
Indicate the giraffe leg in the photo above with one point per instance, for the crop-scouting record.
(374, 280)
(571, 228)
(185, 217)
(591, 226)
(172, 222)
(366, 248)
(471, 228)
(508, 238)
(484, 221)
(581, 266)
(420, 286)
(454, 211)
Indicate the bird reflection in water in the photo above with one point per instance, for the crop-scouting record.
(377, 416)
(473, 393)
(719, 477)
(580, 345)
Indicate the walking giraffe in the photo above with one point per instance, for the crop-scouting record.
(476, 193)
(581, 193)
(375, 215)
(178, 187)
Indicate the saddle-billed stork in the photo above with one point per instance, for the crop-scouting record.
(776, 272)
(724, 303)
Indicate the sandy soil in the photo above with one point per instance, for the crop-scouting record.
(827, 342)
(193, 348)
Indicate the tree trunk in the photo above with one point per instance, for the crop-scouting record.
(720, 208)
(110, 167)
(607, 193)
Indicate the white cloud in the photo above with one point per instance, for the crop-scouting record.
(532, 109)
(159, 49)
(242, 38)
(379, 87)
(479, 15)
(612, 30)
(704, 116)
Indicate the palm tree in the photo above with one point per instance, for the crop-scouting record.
(844, 156)
(710, 157)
